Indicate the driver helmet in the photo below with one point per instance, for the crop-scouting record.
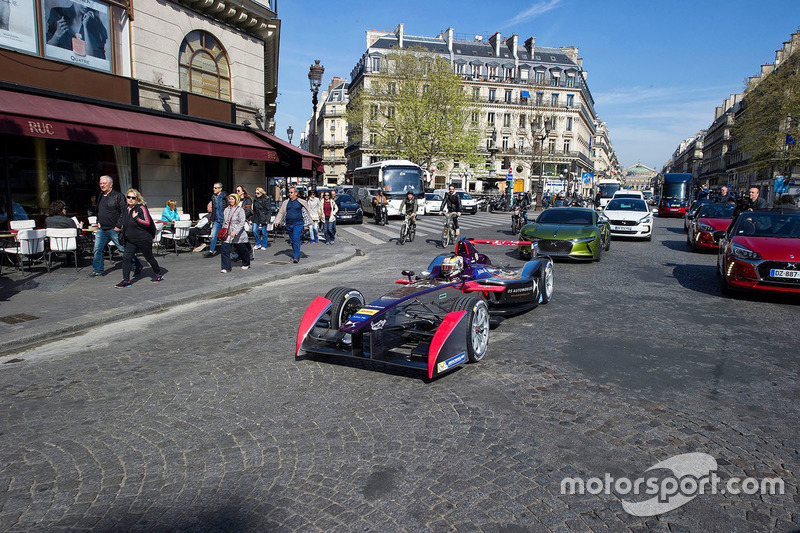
(452, 266)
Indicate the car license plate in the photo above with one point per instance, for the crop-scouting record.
(791, 274)
(622, 228)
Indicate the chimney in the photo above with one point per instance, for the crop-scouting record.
(530, 46)
(512, 43)
(448, 35)
(571, 52)
(373, 36)
(398, 32)
(494, 40)
(335, 81)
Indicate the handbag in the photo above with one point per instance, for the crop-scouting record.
(223, 232)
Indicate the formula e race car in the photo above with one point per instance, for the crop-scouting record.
(435, 321)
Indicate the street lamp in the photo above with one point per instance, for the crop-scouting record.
(314, 80)
(289, 133)
(545, 133)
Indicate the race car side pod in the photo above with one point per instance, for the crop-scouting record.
(314, 312)
(445, 345)
(507, 243)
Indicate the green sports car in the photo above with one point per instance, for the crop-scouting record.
(573, 232)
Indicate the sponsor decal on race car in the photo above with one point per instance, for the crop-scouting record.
(442, 296)
(363, 314)
(378, 325)
(520, 291)
(450, 363)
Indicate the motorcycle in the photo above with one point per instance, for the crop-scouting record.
(516, 220)
(381, 215)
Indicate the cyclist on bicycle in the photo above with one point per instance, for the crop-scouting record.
(380, 203)
(409, 207)
(452, 204)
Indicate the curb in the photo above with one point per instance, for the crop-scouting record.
(72, 326)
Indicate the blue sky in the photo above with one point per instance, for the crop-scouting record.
(656, 69)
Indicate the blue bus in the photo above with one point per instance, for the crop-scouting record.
(676, 191)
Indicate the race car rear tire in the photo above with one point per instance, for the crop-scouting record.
(546, 282)
(344, 303)
(477, 326)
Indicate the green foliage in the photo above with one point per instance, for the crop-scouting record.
(415, 108)
(771, 111)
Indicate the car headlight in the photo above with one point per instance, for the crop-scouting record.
(705, 227)
(603, 217)
(744, 252)
(359, 211)
(647, 219)
(585, 239)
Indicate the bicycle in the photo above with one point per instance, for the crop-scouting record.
(448, 231)
(407, 230)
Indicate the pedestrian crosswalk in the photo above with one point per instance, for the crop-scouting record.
(427, 226)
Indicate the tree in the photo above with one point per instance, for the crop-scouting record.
(415, 108)
(770, 118)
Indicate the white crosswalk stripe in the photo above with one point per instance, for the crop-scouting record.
(426, 226)
(356, 230)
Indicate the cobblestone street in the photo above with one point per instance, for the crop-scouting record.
(199, 418)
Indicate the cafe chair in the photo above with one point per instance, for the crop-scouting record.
(28, 245)
(180, 235)
(92, 220)
(185, 216)
(62, 241)
(158, 235)
(22, 224)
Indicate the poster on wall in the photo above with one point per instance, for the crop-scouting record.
(18, 25)
(76, 31)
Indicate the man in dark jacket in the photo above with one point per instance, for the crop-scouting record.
(110, 206)
(218, 204)
(757, 201)
(452, 204)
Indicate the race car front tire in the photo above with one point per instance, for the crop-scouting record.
(344, 303)
(477, 340)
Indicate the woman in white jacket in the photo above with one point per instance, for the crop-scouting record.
(327, 213)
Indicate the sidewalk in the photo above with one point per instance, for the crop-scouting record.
(41, 306)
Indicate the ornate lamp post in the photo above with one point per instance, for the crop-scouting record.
(314, 80)
(545, 133)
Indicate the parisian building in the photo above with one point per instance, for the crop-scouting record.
(165, 96)
(639, 177)
(606, 163)
(331, 131)
(535, 113)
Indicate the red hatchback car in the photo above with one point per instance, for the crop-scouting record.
(760, 251)
(708, 220)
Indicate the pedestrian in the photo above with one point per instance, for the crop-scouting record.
(110, 209)
(333, 222)
(327, 213)
(313, 210)
(202, 228)
(218, 203)
(246, 203)
(291, 211)
(58, 217)
(137, 231)
(233, 221)
(262, 212)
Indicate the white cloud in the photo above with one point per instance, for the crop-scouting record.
(532, 12)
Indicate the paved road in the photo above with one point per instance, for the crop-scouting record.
(199, 418)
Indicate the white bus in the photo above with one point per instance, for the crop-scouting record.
(606, 188)
(396, 177)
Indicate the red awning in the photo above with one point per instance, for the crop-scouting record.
(53, 118)
(308, 161)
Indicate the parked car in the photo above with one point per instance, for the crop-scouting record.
(349, 210)
(629, 217)
(433, 204)
(759, 252)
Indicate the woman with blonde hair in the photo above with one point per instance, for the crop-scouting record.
(137, 231)
(170, 213)
(262, 212)
(233, 222)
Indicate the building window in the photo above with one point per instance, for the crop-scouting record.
(570, 100)
(507, 120)
(204, 66)
(376, 64)
(392, 87)
(490, 118)
(492, 95)
(551, 146)
(569, 123)
(521, 143)
(476, 70)
(539, 77)
(509, 73)
(492, 72)
(539, 98)
(333, 110)
(508, 96)
(373, 139)
(373, 112)
(566, 146)
(390, 113)
(476, 93)
(554, 99)
(523, 121)
(505, 142)
(570, 81)
(554, 81)
(475, 117)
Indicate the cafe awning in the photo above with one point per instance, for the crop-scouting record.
(296, 158)
(55, 118)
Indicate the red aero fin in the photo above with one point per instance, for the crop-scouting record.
(449, 323)
(310, 317)
(472, 286)
(508, 243)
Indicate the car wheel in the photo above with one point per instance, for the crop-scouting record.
(724, 288)
(546, 283)
(608, 244)
(477, 326)
(344, 304)
(599, 253)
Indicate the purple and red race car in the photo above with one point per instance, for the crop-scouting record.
(436, 321)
